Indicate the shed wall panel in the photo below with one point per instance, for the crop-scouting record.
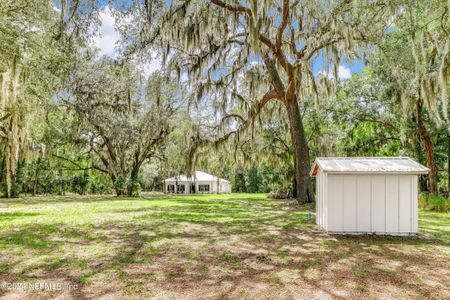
(321, 204)
(405, 200)
(350, 202)
(392, 212)
(415, 204)
(364, 195)
(325, 198)
(318, 199)
(378, 203)
(334, 203)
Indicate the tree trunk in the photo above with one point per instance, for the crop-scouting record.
(10, 172)
(417, 145)
(2, 169)
(448, 165)
(120, 191)
(36, 176)
(294, 187)
(301, 153)
(131, 189)
(424, 136)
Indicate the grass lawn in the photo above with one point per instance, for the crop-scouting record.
(236, 246)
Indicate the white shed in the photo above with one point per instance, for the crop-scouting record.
(367, 194)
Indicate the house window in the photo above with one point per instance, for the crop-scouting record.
(171, 188)
(181, 188)
(203, 187)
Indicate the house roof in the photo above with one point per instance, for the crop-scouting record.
(368, 165)
(198, 176)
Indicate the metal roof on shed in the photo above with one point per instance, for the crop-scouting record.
(368, 165)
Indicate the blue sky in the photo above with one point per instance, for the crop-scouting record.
(107, 38)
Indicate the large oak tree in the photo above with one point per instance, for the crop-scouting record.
(122, 121)
(249, 54)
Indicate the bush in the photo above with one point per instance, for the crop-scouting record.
(423, 200)
(134, 188)
(120, 185)
(279, 195)
(80, 183)
(439, 203)
(435, 203)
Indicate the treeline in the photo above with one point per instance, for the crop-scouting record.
(259, 179)
(253, 102)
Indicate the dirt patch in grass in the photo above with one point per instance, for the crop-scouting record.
(209, 247)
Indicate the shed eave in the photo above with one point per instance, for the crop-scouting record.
(367, 165)
(377, 172)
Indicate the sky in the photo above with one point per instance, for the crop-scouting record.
(108, 37)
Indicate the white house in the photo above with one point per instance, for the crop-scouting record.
(367, 195)
(199, 183)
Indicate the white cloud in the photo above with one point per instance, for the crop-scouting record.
(152, 65)
(344, 73)
(107, 36)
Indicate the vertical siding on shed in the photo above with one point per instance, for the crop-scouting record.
(392, 211)
(364, 196)
(334, 203)
(367, 203)
(325, 200)
(378, 203)
(405, 201)
(319, 199)
(415, 204)
(350, 203)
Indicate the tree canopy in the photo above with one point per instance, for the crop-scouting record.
(248, 90)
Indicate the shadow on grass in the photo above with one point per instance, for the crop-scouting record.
(192, 198)
(208, 242)
(14, 215)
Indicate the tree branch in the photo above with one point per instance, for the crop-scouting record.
(265, 40)
(284, 22)
(230, 7)
(79, 167)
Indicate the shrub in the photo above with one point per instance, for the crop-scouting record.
(80, 183)
(134, 188)
(439, 203)
(279, 195)
(423, 200)
(120, 185)
(435, 203)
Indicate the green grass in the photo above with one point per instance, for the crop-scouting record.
(201, 245)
